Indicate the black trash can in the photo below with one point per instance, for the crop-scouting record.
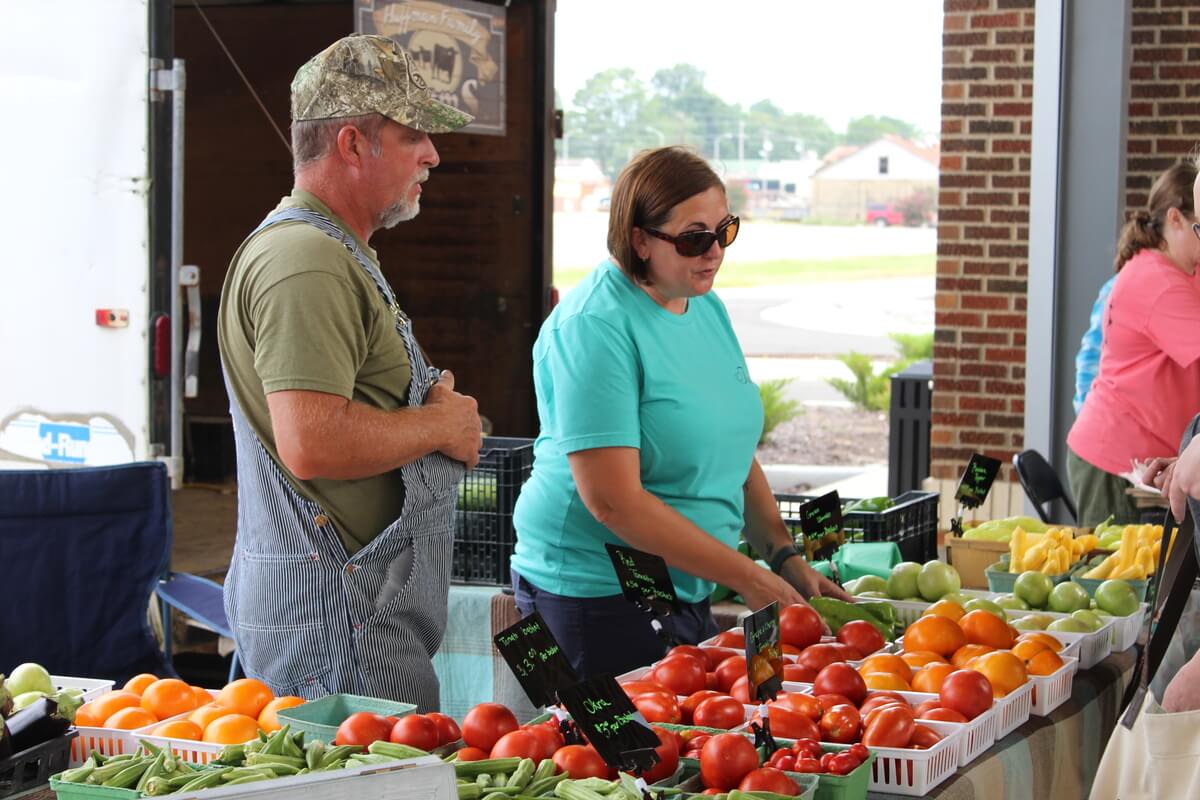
(909, 422)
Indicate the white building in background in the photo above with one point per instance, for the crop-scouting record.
(769, 189)
(889, 170)
(580, 185)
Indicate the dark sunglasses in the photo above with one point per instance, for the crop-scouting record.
(696, 243)
(1196, 229)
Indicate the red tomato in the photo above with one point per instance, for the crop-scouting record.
(668, 756)
(658, 707)
(872, 703)
(687, 650)
(740, 690)
(806, 704)
(713, 656)
(782, 759)
(799, 673)
(943, 715)
(886, 693)
(735, 639)
(841, 679)
(840, 724)
(729, 670)
(790, 649)
(633, 688)
(471, 754)
(862, 636)
(769, 779)
(890, 726)
(819, 656)
(966, 691)
(926, 706)
(681, 674)
(788, 723)
(362, 728)
(924, 737)
(415, 730)
(710, 681)
(843, 763)
(580, 761)
(688, 707)
(799, 626)
(484, 724)
(448, 730)
(726, 759)
(549, 740)
(520, 743)
(720, 711)
(828, 701)
(808, 765)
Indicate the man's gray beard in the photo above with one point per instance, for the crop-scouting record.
(401, 212)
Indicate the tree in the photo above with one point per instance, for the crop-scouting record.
(864, 130)
(610, 106)
(681, 95)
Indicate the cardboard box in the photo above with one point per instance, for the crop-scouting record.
(971, 558)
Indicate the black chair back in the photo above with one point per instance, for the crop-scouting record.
(1041, 484)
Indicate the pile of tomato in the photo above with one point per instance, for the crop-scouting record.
(426, 731)
(807, 755)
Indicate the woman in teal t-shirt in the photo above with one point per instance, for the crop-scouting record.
(649, 423)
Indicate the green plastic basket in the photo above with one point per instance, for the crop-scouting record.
(1001, 580)
(320, 718)
(689, 783)
(84, 791)
(1140, 588)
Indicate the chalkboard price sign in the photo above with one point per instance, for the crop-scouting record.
(822, 516)
(611, 723)
(644, 579)
(976, 480)
(531, 652)
(764, 654)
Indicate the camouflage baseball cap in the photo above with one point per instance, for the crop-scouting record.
(364, 74)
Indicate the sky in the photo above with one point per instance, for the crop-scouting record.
(836, 59)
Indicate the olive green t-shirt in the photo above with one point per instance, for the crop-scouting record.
(298, 312)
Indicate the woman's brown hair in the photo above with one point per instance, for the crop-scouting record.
(1172, 189)
(652, 184)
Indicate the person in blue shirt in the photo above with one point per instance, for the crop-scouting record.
(1087, 361)
(649, 424)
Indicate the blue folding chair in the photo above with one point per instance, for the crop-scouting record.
(200, 599)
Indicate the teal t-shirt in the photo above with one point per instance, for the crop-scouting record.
(612, 368)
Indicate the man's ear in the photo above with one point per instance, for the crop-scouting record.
(351, 145)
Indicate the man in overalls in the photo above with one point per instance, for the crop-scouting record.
(350, 446)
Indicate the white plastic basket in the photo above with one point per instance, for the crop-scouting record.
(1013, 709)
(909, 611)
(1126, 629)
(91, 687)
(105, 741)
(1094, 647)
(189, 750)
(977, 735)
(1051, 691)
(916, 773)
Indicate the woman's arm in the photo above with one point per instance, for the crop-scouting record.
(608, 479)
(767, 534)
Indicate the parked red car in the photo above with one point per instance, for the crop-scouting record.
(884, 214)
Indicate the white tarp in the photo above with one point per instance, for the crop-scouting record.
(73, 156)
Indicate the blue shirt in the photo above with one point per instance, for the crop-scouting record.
(1087, 362)
(612, 368)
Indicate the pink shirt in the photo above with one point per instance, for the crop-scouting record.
(1148, 387)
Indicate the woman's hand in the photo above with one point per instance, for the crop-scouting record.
(811, 583)
(764, 587)
(1183, 692)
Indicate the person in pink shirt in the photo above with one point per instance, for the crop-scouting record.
(1148, 386)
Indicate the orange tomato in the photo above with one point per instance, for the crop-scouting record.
(268, 719)
(936, 634)
(968, 651)
(206, 713)
(138, 683)
(85, 717)
(929, 678)
(203, 698)
(110, 703)
(983, 627)
(168, 697)
(1003, 670)
(886, 662)
(1041, 636)
(886, 680)
(919, 658)
(248, 696)
(179, 729)
(129, 718)
(1046, 662)
(945, 608)
(231, 729)
(1028, 648)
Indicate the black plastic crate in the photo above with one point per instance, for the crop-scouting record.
(31, 768)
(484, 535)
(911, 523)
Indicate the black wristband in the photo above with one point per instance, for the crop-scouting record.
(781, 556)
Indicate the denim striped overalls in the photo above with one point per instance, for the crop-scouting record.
(310, 620)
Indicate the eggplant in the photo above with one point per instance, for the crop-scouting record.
(36, 723)
(6, 748)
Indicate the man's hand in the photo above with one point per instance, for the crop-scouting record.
(811, 583)
(462, 429)
(1182, 480)
(1183, 692)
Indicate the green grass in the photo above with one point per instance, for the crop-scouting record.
(783, 271)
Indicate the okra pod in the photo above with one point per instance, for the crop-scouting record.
(469, 791)
(247, 779)
(157, 786)
(233, 754)
(270, 759)
(469, 769)
(129, 776)
(495, 795)
(338, 754)
(313, 752)
(483, 780)
(545, 768)
(573, 790)
(543, 785)
(274, 743)
(203, 780)
(293, 744)
(153, 771)
(394, 750)
(521, 775)
(368, 758)
(80, 773)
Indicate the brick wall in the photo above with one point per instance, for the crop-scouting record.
(983, 233)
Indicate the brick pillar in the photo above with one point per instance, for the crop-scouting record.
(983, 233)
